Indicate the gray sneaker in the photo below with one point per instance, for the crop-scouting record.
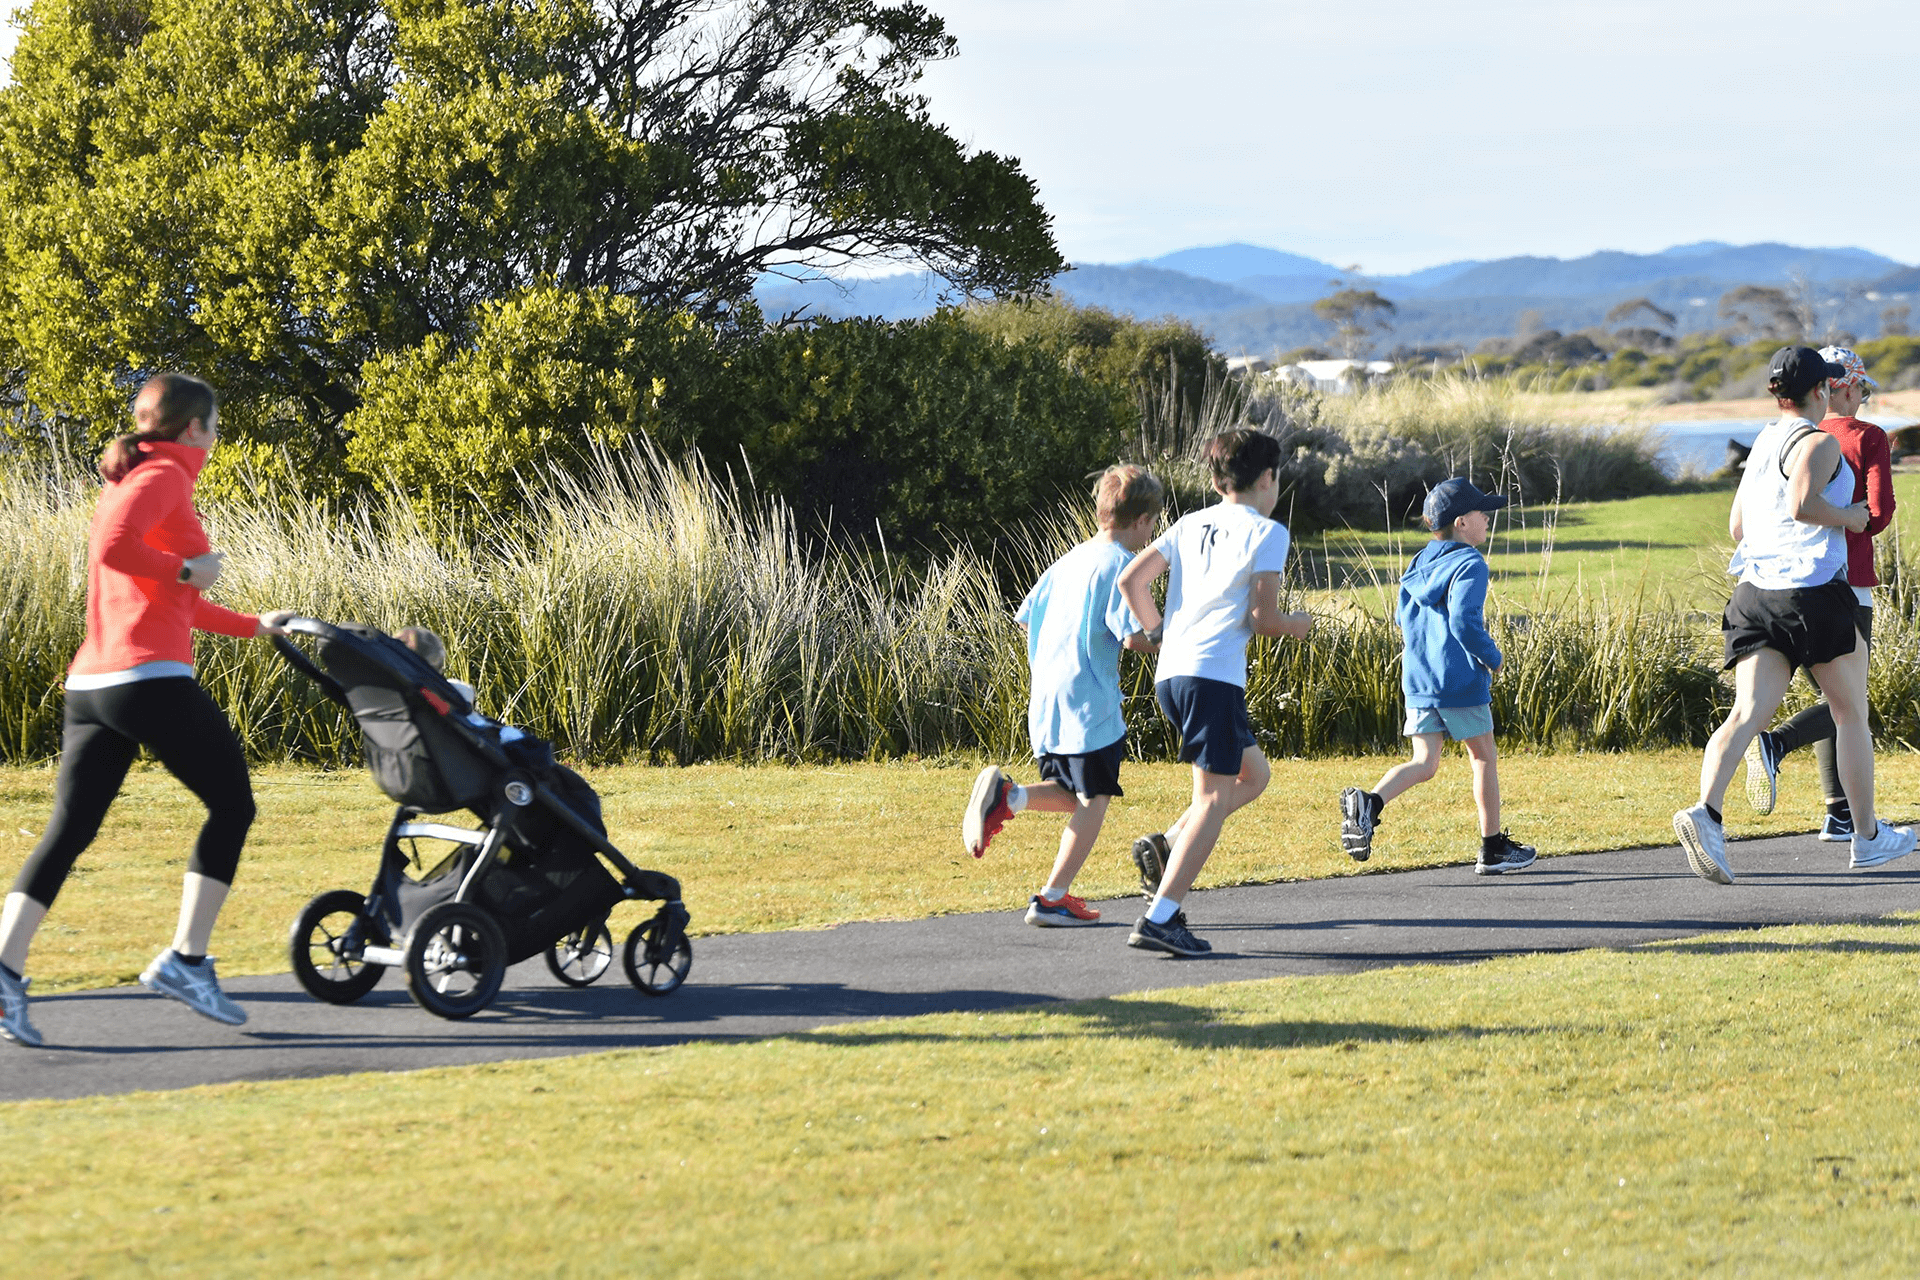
(193, 985)
(14, 1024)
(1150, 855)
(1763, 772)
(1356, 824)
(1705, 842)
(1173, 937)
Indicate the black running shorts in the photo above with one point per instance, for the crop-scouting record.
(1089, 774)
(1809, 625)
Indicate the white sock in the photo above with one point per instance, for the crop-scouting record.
(1051, 894)
(1163, 909)
(1016, 797)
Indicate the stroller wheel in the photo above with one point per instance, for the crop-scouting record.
(325, 948)
(456, 960)
(579, 958)
(655, 962)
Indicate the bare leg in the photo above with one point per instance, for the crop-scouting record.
(20, 921)
(1424, 765)
(1844, 684)
(1215, 795)
(1076, 842)
(1051, 797)
(201, 898)
(1486, 781)
(1759, 682)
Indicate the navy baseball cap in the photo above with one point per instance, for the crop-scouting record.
(1451, 499)
(1801, 369)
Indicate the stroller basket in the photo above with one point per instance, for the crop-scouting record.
(539, 875)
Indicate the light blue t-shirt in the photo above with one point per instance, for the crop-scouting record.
(1076, 620)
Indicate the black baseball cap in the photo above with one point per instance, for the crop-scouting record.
(1451, 499)
(1799, 370)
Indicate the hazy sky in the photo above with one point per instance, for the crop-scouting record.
(1400, 133)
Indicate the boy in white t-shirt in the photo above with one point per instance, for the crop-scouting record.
(1223, 588)
(1076, 625)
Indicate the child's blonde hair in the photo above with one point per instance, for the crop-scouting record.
(432, 650)
(1125, 492)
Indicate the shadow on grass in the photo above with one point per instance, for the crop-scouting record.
(1180, 1024)
(1764, 946)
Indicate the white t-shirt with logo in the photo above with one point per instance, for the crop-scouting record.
(1212, 556)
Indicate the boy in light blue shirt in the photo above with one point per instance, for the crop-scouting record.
(1076, 624)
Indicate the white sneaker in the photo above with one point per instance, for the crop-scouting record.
(193, 985)
(1705, 842)
(1888, 843)
(14, 1024)
(1763, 772)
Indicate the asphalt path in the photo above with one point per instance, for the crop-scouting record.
(745, 986)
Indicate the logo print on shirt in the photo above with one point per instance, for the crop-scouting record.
(1210, 534)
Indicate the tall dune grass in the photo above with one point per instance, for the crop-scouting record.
(656, 612)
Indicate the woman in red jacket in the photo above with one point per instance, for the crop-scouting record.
(131, 685)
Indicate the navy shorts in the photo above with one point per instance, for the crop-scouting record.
(1211, 716)
(1093, 773)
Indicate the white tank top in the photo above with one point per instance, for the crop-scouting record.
(1776, 551)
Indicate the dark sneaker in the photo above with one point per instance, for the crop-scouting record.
(14, 1024)
(1356, 824)
(1705, 842)
(1505, 856)
(1068, 913)
(1763, 772)
(1173, 937)
(987, 810)
(1150, 854)
(194, 985)
(1837, 830)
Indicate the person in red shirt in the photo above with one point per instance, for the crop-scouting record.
(131, 685)
(1864, 446)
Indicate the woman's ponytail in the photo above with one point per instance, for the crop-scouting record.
(166, 405)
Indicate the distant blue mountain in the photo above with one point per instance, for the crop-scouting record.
(1152, 291)
(1257, 300)
(1232, 263)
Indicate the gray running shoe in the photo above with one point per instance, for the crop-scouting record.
(1150, 855)
(14, 1024)
(1356, 824)
(1888, 843)
(1705, 842)
(1173, 937)
(193, 985)
(1763, 772)
(1504, 857)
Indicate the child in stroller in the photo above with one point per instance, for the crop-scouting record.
(531, 880)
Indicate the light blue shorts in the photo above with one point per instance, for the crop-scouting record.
(1458, 723)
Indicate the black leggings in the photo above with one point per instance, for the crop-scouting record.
(1814, 725)
(105, 729)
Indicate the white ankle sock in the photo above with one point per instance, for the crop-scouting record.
(1163, 909)
(1016, 797)
(1052, 895)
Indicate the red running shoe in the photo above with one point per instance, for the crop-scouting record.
(987, 810)
(1069, 912)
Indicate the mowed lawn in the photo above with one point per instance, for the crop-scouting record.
(1741, 1104)
(773, 847)
(1671, 548)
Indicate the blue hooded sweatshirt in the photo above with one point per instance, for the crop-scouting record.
(1450, 655)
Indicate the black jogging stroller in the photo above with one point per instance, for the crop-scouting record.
(530, 880)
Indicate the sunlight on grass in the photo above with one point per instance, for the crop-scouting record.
(1734, 1103)
(760, 848)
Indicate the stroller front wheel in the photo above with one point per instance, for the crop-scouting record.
(325, 948)
(456, 960)
(658, 954)
(579, 958)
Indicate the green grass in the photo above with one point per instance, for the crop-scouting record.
(781, 848)
(1670, 547)
(1740, 1104)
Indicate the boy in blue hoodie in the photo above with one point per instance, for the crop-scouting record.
(1446, 673)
